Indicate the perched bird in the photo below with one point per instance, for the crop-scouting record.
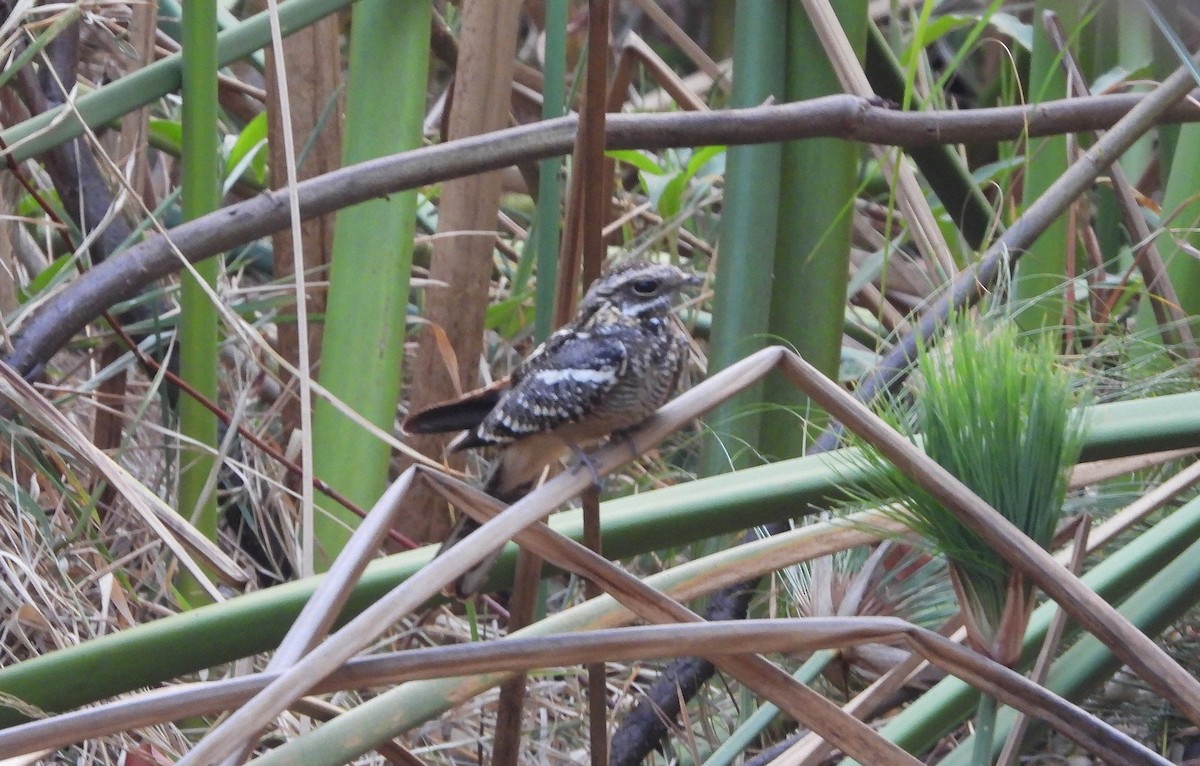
(607, 370)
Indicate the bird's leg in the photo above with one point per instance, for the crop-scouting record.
(586, 461)
(626, 438)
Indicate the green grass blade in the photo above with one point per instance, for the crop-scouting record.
(745, 735)
(941, 166)
(372, 256)
(65, 19)
(1042, 270)
(198, 317)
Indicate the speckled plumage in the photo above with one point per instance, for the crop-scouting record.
(607, 370)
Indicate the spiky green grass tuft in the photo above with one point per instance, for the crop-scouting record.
(997, 411)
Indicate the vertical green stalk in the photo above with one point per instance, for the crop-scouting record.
(168, 10)
(372, 256)
(546, 221)
(747, 239)
(812, 244)
(1181, 201)
(1042, 271)
(985, 727)
(1134, 47)
(198, 317)
(1121, 39)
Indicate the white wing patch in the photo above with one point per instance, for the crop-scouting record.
(576, 375)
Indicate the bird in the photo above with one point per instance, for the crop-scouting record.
(605, 372)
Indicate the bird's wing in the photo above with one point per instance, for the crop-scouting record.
(548, 350)
(561, 385)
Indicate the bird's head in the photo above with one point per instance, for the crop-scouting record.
(639, 288)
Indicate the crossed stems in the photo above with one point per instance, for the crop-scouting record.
(304, 663)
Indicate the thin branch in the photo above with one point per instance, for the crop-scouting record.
(970, 285)
(122, 277)
(1050, 649)
(596, 201)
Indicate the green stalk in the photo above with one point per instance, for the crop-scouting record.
(372, 257)
(1042, 271)
(63, 20)
(152, 82)
(812, 241)
(985, 727)
(170, 9)
(747, 239)
(167, 648)
(197, 315)
(546, 221)
(1181, 203)
(1123, 38)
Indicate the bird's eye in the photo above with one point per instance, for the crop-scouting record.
(646, 286)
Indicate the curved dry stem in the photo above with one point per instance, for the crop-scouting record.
(124, 276)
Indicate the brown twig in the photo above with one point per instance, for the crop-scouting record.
(123, 276)
(1050, 647)
(596, 198)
